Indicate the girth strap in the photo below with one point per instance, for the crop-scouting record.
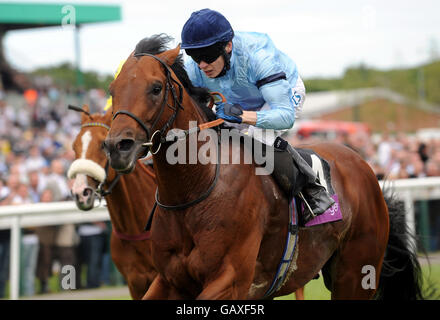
(284, 267)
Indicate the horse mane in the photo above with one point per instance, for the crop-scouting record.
(157, 44)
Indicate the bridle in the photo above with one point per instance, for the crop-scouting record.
(177, 104)
(100, 192)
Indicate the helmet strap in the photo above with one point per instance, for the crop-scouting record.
(227, 60)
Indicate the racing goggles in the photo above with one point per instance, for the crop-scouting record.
(207, 54)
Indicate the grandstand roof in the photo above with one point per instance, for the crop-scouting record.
(24, 15)
(27, 15)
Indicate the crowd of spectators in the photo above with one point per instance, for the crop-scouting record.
(36, 136)
(399, 156)
(392, 156)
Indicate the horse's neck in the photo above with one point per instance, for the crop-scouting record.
(178, 184)
(131, 200)
(181, 183)
(190, 113)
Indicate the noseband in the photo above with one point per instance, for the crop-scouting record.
(177, 103)
(100, 192)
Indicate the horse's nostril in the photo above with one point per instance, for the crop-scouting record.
(87, 192)
(125, 145)
(105, 145)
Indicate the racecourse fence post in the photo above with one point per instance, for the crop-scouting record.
(14, 266)
(410, 218)
(424, 224)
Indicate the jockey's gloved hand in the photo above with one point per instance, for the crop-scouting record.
(229, 112)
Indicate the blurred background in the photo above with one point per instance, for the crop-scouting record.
(371, 71)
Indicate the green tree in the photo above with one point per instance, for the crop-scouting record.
(408, 82)
(64, 75)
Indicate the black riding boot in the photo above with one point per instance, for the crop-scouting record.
(315, 195)
(317, 199)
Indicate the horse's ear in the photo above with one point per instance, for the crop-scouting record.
(108, 116)
(170, 56)
(85, 115)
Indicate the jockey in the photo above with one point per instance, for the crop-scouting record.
(260, 83)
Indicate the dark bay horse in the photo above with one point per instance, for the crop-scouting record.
(129, 201)
(220, 229)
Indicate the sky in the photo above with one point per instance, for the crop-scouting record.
(322, 37)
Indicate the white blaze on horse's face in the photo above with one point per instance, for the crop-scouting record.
(81, 178)
(83, 167)
(85, 139)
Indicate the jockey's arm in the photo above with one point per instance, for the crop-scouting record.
(281, 114)
(249, 117)
(275, 89)
(278, 112)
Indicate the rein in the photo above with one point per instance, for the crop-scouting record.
(198, 200)
(177, 104)
(185, 205)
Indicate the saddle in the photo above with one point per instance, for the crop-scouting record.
(290, 180)
(286, 170)
(286, 173)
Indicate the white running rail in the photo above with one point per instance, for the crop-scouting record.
(40, 214)
(57, 213)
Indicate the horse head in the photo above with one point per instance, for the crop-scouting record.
(145, 99)
(89, 168)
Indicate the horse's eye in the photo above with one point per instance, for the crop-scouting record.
(157, 89)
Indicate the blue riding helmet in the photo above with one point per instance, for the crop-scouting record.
(205, 28)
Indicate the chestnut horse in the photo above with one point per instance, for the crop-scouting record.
(219, 229)
(129, 199)
(129, 252)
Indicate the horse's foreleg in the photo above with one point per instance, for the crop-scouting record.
(159, 290)
(221, 288)
(234, 276)
(299, 294)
